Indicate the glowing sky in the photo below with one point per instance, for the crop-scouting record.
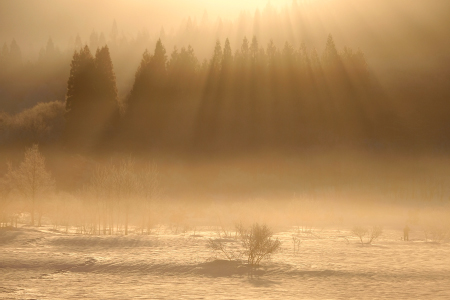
(30, 17)
(372, 25)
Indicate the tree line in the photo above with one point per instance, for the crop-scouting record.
(255, 96)
(248, 97)
(117, 195)
(25, 83)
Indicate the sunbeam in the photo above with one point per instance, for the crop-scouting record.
(281, 149)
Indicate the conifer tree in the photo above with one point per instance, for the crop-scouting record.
(330, 54)
(141, 79)
(91, 103)
(147, 103)
(80, 86)
(93, 40)
(159, 59)
(182, 69)
(288, 52)
(245, 49)
(173, 59)
(150, 77)
(106, 91)
(271, 52)
(80, 92)
(114, 33)
(15, 54)
(254, 50)
(227, 58)
(303, 57)
(50, 49)
(106, 79)
(102, 40)
(78, 43)
(217, 58)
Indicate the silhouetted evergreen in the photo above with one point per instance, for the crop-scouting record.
(148, 103)
(254, 98)
(107, 101)
(92, 109)
(246, 97)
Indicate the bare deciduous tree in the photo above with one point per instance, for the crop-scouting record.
(150, 191)
(5, 204)
(360, 232)
(222, 246)
(119, 190)
(372, 233)
(31, 179)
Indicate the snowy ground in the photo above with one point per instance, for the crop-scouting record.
(45, 264)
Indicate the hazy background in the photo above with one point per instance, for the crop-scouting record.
(406, 30)
(405, 44)
(33, 22)
(174, 121)
(398, 37)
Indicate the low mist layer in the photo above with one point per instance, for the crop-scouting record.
(318, 109)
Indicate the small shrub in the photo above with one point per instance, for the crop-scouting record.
(258, 243)
(370, 234)
(225, 244)
(221, 246)
(437, 233)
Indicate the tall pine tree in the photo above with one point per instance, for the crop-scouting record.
(92, 109)
(147, 101)
(107, 101)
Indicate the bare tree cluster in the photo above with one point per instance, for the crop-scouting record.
(7, 207)
(118, 195)
(32, 181)
(118, 192)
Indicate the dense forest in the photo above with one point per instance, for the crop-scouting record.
(273, 79)
(253, 96)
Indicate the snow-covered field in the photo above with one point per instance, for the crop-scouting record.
(46, 264)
